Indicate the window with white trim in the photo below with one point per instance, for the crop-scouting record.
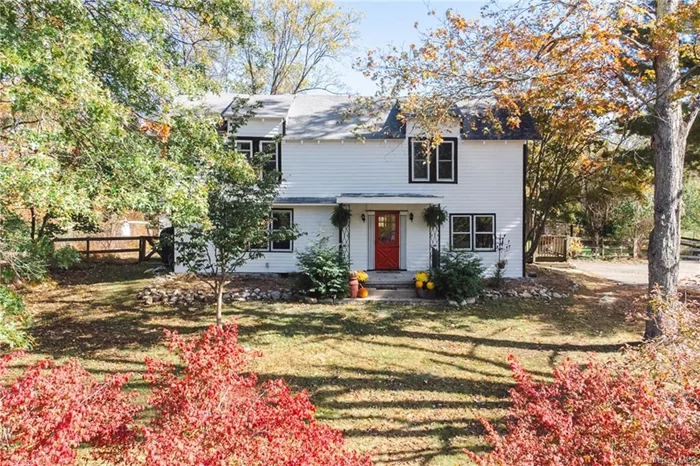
(473, 232)
(420, 161)
(281, 218)
(244, 147)
(248, 146)
(446, 161)
(433, 164)
(461, 227)
(270, 148)
(484, 232)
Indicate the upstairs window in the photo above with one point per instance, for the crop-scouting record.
(244, 147)
(420, 161)
(249, 146)
(446, 162)
(433, 165)
(270, 148)
(473, 232)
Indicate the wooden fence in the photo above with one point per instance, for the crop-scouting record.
(692, 246)
(146, 249)
(552, 248)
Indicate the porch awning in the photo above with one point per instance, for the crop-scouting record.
(388, 198)
(305, 201)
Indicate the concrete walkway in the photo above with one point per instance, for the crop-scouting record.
(636, 273)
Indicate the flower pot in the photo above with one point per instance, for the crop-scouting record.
(354, 287)
(421, 293)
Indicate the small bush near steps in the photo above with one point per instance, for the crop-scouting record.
(459, 276)
(323, 271)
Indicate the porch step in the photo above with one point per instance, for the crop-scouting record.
(390, 295)
(390, 286)
(390, 280)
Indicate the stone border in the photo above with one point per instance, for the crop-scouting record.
(152, 295)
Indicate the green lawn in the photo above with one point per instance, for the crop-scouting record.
(406, 383)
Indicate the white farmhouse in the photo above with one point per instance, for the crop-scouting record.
(476, 176)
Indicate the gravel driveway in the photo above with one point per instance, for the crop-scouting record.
(636, 273)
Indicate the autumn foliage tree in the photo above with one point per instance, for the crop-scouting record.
(590, 62)
(596, 415)
(207, 409)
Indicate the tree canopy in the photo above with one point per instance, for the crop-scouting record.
(591, 64)
(290, 47)
(89, 113)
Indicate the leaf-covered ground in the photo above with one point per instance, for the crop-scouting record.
(406, 383)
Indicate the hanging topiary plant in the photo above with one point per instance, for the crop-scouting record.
(434, 215)
(341, 216)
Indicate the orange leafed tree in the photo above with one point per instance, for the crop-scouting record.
(585, 64)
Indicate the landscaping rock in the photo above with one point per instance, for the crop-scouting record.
(471, 300)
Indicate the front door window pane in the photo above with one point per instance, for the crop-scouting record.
(387, 229)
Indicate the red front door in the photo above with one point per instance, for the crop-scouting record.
(386, 241)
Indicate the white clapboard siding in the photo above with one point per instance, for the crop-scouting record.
(314, 221)
(262, 128)
(490, 181)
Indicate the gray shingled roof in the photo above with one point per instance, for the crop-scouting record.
(262, 106)
(426, 196)
(476, 126)
(337, 117)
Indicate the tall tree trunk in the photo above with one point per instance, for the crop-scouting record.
(32, 231)
(535, 237)
(669, 148)
(219, 303)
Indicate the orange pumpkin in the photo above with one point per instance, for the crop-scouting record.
(362, 293)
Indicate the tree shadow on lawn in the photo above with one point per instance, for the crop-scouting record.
(403, 323)
(414, 380)
(104, 271)
(81, 321)
(413, 417)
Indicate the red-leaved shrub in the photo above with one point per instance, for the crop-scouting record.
(596, 416)
(212, 411)
(49, 411)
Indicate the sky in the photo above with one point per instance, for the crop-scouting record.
(391, 22)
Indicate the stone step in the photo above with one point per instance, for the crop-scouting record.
(390, 280)
(390, 286)
(388, 295)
